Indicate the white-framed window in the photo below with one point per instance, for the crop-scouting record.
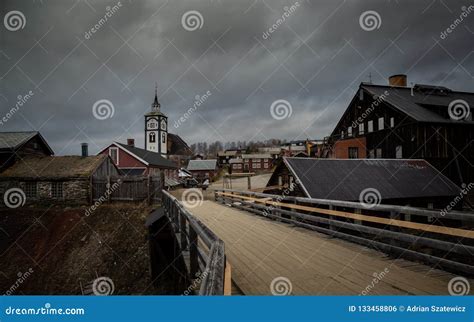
(370, 126)
(57, 190)
(152, 136)
(349, 131)
(378, 153)
(256, 165)
(237, 166)
(361, 129)
(372, 154)
(342, 134)
(399, 152)
(265, 165)
(114, 155)
(392, 122)
(381, 123)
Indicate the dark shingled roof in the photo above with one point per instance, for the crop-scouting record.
(339, 179)
(54, 167)
(11, 141)
(417, 106)
(152, 158)
(177, 146)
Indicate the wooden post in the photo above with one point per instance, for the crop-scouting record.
(249, 186)
(182, 230)
(193, 252)
(109, 195)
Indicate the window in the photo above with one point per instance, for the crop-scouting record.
(163, 138)
(342, 134)
(381, 123)
(371, 154)
(152, 137)
(57, 190)
(361, 128)
(113, 153)
(353, 153)
(378, 153)
(398, 152)
(31, 190)
(392, 122)
(265, 165)
(349, 131)
(256, 165)
(370, 126)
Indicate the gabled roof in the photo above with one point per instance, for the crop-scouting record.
(345, 180)
(177, 146)
(12, 141)
(417, 105)
(201, 165)
(147, 157)
(54, 167)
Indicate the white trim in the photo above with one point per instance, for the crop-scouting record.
(297, 178)
(118, 157)
(130, 153)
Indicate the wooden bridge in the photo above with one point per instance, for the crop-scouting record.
(269, 239)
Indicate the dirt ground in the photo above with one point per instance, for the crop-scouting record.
(62, 250)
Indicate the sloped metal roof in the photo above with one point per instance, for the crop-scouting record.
(402, 99)
(152, 158)
(345, 180)
(197, 165)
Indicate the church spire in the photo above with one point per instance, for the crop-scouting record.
(156, 105)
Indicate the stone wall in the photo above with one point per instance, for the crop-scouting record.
(75, 191)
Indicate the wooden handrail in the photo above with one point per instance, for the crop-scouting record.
(192, 230)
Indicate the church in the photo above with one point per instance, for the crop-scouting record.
(163, 152)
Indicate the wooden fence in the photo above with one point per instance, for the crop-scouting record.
(127, 188)
(439, 239)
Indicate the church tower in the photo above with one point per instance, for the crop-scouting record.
(156, 129)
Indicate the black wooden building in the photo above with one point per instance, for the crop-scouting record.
(420, 122)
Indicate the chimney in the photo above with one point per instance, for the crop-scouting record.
(85, 150)
(131, 142)
(398, 80)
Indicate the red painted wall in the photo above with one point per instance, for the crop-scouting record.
(126, 160)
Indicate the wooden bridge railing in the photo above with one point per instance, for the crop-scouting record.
(206, 251)
(391, 229)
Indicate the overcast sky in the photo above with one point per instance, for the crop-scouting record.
(314, 59)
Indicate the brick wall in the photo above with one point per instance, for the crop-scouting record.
(341, 148)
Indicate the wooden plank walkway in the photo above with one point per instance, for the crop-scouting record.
(261, 250)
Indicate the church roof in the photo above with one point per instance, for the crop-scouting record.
(177, 146)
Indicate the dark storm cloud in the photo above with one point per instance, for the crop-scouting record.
(315, 60)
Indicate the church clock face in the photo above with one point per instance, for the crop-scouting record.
(163, 125)
(152, 124)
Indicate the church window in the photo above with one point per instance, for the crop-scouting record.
(163, 138)
(152, 137)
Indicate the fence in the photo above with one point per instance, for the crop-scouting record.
(129, 188)
(206, 250)
(387, 228)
